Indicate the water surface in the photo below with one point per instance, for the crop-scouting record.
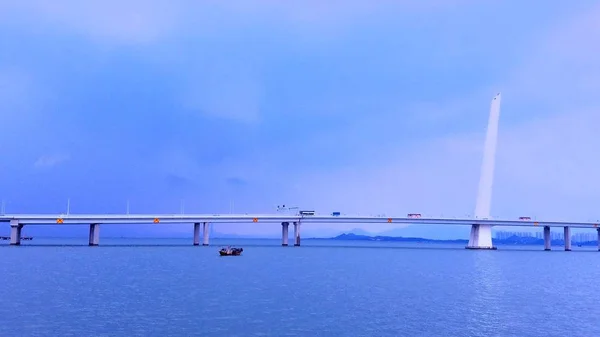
(149, 287)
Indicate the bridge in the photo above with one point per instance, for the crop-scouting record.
(17, 221)
(481, 224)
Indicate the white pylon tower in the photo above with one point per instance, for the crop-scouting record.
(481, 235)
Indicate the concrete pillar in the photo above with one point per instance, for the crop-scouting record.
(15, 232)
(205, 233)
(296, 234)
(598, 230)
(285, 226)
(94, 234)
(480, 237)
(567, 238)
(196, 234)
(547, 238)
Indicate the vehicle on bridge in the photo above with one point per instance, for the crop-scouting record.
(524, 218)
(414, 215)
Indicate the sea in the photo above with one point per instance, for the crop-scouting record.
(167, 287)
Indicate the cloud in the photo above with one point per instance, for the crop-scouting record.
(560, 69)
(552, 153)
(177, 182)
(329, 13)
(17, 86)
(51, 160)
(129, 21)
(386, 117)
(143, 22)
(546, 164)
(237, 181)
(224, 90)
(14, 87)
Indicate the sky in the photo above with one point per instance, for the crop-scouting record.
(352, 106)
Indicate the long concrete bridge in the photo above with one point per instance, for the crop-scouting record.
(17, 221)
(481, 224)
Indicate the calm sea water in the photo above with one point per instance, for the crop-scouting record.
(324, 288)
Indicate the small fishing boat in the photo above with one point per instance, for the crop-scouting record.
(231, 251)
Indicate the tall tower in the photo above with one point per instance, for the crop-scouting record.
(481, 235)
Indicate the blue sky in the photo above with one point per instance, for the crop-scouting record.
(352, 106)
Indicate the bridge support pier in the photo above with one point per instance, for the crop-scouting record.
(480, 237)
(196, 234)
(205, 233)
(285, 233)
(598, 230)
(567, 238)
(94, 238)
(547, 238)
(15, 232)
(296, 234)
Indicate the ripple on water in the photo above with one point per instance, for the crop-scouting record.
(307, 291)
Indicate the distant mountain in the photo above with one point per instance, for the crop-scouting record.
(513, 240)
(358, 231)
(355, 237)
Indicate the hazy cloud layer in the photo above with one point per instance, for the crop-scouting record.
(362, 108)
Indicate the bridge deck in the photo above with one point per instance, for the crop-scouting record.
(77, 219)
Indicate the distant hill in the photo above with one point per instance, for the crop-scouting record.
(513, 240)
(358, 231)
(355, 237)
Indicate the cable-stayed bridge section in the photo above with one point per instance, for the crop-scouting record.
(17, 221)
(481, 225)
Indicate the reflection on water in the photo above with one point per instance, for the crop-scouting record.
(487, 288)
